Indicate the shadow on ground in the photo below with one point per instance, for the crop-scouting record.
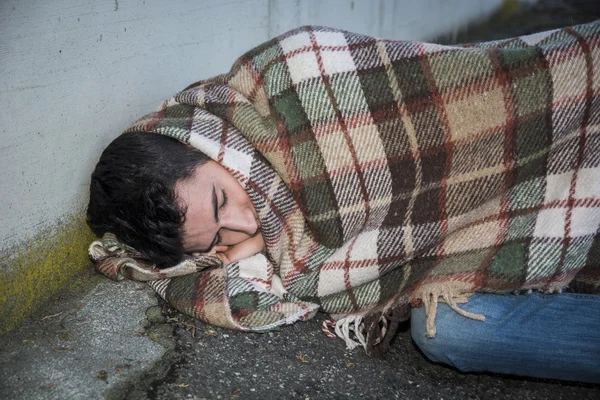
(300, 362)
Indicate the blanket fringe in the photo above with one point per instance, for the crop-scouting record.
(351, 324)
(452, 295)
(382, 327)
(351, 329)
(373, 331)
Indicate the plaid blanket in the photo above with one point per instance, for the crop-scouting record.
(390, 173)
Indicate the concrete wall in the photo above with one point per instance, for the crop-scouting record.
(75, 73)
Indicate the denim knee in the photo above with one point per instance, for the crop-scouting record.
(436, 349)
(520, 336)
(456, 339)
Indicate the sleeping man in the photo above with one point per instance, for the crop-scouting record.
(167, 199)
(375, 181)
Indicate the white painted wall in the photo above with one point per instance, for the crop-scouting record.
(75, 73)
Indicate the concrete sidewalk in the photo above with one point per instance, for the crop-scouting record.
(107, 340)
(90, 342)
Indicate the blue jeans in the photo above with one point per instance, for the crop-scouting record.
(545, 336)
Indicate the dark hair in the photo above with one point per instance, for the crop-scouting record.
(132, 193)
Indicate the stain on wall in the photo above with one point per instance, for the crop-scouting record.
(36, 269)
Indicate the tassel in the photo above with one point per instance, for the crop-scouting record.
(373, 332)
(451, 294)
(353, 323)
(382, 327)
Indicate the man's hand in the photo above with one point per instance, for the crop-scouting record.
(245, 249)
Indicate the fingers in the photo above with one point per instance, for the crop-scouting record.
(212, 252)
(220, 248)
(223, 258)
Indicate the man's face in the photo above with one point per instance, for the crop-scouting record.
(219, 212)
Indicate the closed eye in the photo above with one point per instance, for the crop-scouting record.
(224, 199)
(218, 235)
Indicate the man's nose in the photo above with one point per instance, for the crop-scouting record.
(240, 220)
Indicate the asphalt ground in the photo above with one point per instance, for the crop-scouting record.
(300, 362)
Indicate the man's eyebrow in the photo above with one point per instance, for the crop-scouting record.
(215, 203)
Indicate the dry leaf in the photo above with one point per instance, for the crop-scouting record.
(103, 375)
(301, 358)
(67, 336)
